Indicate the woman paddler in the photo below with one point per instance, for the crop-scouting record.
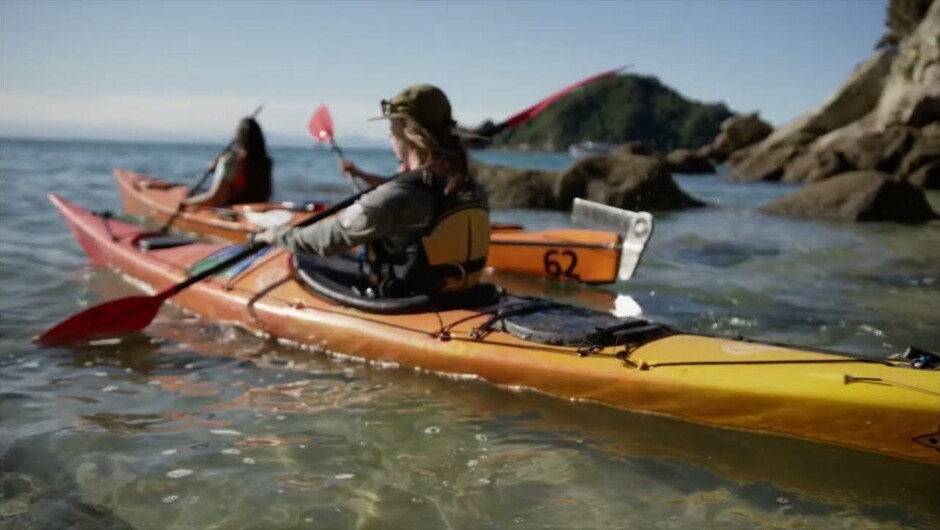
(425, 230)
(242, 175)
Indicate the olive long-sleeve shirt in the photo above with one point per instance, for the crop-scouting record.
(399, 212)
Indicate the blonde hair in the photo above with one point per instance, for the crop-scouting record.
(442, 153)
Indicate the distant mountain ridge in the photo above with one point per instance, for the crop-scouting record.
(620, 109)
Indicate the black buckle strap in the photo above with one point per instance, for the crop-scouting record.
(483, 329)
(632, 333)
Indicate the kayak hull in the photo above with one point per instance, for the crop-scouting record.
(589, 256)
(820, 396)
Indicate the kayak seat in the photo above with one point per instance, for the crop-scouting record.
(147, 242)
(565, 325)
(338, 279)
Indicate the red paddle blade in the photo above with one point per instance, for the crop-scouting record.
(321, 124)
(124, 315)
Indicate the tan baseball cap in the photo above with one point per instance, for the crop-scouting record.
(425, 104)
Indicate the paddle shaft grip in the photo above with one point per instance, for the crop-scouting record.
(339, 152)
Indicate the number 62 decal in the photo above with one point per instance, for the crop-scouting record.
(560, 263)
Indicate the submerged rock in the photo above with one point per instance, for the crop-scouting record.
(856, 196)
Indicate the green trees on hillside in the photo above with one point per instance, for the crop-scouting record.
(621, 109)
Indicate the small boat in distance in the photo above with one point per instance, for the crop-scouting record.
(586, 149)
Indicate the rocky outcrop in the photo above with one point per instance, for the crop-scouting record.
(689, 162)
(768, 163)
(856, 196)
(899, 150)
(634, 182)
(883, 118)
(737, 132)
(815, 166)
(927, 176)
(903, 18)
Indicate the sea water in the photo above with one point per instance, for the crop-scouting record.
(198, 425)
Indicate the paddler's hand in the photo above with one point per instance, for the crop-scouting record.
(349, 168)
(265, 236)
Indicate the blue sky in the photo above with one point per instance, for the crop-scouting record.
(189, 70)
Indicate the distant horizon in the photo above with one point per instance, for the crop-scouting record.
(345, 142)
(778, 58)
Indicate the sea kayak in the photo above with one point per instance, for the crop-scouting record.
(886, 406)
(588, 256)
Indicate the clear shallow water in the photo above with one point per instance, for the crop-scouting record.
(196, 425)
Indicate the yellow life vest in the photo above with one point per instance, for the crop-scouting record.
(452, 254)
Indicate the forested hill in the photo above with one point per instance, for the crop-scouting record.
(620, 109)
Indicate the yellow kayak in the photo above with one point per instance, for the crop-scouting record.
(886, 406)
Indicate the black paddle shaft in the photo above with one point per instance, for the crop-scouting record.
(258, 247)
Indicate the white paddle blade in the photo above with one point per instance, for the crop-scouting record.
(635, 229)
(269, 219)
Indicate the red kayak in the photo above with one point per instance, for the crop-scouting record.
(588, 256)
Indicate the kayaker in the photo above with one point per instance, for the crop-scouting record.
(242, 175)
(427, 229)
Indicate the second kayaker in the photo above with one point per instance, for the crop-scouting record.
(242, 175)
(427, 229)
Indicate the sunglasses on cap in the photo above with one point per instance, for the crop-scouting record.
(388, 107)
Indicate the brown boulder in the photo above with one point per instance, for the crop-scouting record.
(814, 166)
(856, 196)
(633, 148)
(878, 150)
(927, 176)
(931, 132)
(634, 182)
(738, 132)
(741, 155)
(924, 152)
(508, 187)
(768, 167)
(689, 162)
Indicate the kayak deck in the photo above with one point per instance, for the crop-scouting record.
(879, 406)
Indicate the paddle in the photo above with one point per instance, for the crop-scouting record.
(321, 128)
(192, 191)
(134, 313)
